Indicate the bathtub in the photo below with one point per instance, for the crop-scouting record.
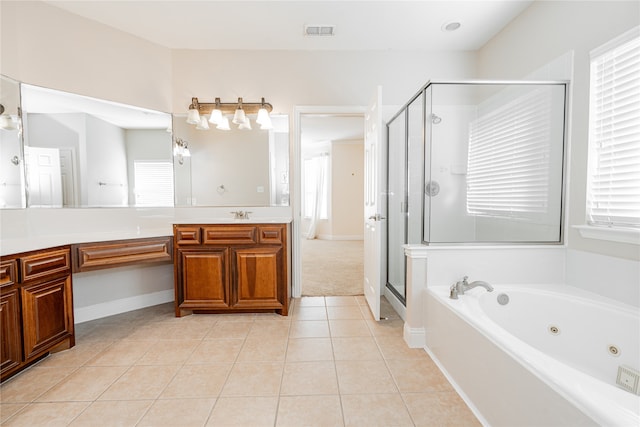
(549, 356)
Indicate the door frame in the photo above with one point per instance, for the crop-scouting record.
(296, 182)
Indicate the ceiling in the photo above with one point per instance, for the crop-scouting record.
(270, 24)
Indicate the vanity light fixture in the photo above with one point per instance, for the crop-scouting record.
(263, 117)
(204, 124)
(217, 110)
(193, 117)
(216, 113)
(239, 116)
(224, 124)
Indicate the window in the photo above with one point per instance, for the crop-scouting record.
(153, 183)
(509, 168)
(613, 197)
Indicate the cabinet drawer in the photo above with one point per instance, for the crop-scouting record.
(187, 235)
(39, 265)
(229, 235)
(8, 271)
(271, 234)
(94, 256)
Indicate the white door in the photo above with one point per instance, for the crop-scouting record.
(374, 185)
(43, 172)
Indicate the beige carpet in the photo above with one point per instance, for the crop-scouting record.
(332, 267)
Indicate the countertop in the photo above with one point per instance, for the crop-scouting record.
(35, 242)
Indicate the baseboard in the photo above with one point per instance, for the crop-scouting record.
(414, 337)
(340, 237)
(110, 308)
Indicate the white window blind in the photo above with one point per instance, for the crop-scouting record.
(508, 161)
(153, 183)
(614, 138)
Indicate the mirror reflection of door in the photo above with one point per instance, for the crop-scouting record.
(44, 177)
(68, 176)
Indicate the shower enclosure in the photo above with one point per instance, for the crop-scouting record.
(475, 163)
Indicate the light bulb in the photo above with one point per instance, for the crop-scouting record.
(193, 117)
(216, 116)
(203, 125)
(224, 124)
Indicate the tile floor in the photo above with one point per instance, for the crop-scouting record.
(327, 364)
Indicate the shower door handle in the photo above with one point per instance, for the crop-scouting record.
(377, 217)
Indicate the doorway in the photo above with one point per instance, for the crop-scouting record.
(329, 255)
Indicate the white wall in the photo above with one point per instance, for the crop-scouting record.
(302, 78)
(347, 190)
(46, 46)
(548, 30)
(106, 175)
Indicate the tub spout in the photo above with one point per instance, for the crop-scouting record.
(459, 288)
(480, 283)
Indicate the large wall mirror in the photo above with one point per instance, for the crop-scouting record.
(86, 152)
(12, 186)
(237, 167)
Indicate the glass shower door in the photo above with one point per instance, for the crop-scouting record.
(397, 206)
(405, 199)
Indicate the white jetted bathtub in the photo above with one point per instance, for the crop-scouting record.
(537, 355)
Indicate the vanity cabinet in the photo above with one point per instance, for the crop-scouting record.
(36, 307)
(231, 267)
(10, 331)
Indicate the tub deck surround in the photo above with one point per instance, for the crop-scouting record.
(552, 385)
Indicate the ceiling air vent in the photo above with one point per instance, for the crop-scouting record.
(319, 30)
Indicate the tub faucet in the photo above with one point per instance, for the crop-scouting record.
(459, 288)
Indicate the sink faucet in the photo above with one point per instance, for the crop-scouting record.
(459, 288)
(240, 214)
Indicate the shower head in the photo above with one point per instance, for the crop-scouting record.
(435, 119)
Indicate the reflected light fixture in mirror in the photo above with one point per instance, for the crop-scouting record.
(6, 121)
(240, 111)
(181, 150)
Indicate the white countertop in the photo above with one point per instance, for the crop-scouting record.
(35, 242)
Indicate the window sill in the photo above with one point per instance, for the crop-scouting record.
(621, 235)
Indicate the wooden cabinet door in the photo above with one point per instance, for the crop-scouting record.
(47, 313)
(203, 282)
(10, 332)
(259, 277)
